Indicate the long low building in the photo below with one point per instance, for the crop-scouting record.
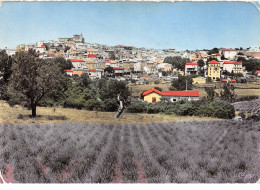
(153, 95)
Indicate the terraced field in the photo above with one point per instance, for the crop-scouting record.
(222, 151)
(247, 106)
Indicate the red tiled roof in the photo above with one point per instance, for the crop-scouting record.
(217, 54)
(258, 71)
(233, 80)
(92, 55)
(77, 60)
(91, 62)
(232, 62)
(181, 93)
(224, 80)
(173, 93)
(214, 62)
(42, 46)
(107, 60)
(92, 70)
(228, 49)
(118, 68)
(41, 53)
(150, 91)
(68, 70)
(193, 63)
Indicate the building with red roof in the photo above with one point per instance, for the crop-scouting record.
(69, 72)
(214, 70)
(78, 63)
(234, 66)
(153, 95)
(92, 55)
(191, 68)
(258, 73)
(229, 53)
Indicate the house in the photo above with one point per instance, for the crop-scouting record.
(91, 64)
(69, 72)
(228, 80)
(78, 72)
(199, 80)
(78, 63)
(258, 73)
(214, 70)
(191, 68)
(154, 95)
(92, 55)
(234, 66)
(229, 53)
(95, 73)
(118, 71)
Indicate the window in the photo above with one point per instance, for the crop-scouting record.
(174, 100)
(154, 99)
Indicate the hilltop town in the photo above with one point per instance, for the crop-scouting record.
(140, 65)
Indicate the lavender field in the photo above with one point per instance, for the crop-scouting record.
(223, 151)
(247, 106)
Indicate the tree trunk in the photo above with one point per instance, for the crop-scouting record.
(33, 110)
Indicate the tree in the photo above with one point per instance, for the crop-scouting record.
(211, 94)
(109, 71)
(201, 63)
(176, 61)
(228, 93)
(213, 51)
(5, 71)
(33, 77)
(63, 64)
(180, 84)
(112, 55)
(252, 65)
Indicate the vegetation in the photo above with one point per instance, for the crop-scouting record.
(251, 65)
(219, 109)
(176, 61)
(33, 77)
(222, 151)
(5, 72)
(180, 83)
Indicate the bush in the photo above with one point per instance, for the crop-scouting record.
(110, 104)
(137, 107)
(219, 109)
(93, 104)
(246, 98)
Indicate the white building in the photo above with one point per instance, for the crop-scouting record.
(229, 53)
(78, 63)
(191, 68)
(95, 73)
(234, 66)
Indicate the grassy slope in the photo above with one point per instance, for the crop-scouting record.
(51, 115)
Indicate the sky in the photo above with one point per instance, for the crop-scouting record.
(178, 25)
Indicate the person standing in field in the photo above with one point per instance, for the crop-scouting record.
(121, 105)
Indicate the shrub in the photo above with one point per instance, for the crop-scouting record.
(110, 104)
(246, 98)
(137, 107)
(93, 104)
(218, 109)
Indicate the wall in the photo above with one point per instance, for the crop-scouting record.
(149, 97)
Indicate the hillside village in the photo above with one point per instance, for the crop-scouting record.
(141, 65)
